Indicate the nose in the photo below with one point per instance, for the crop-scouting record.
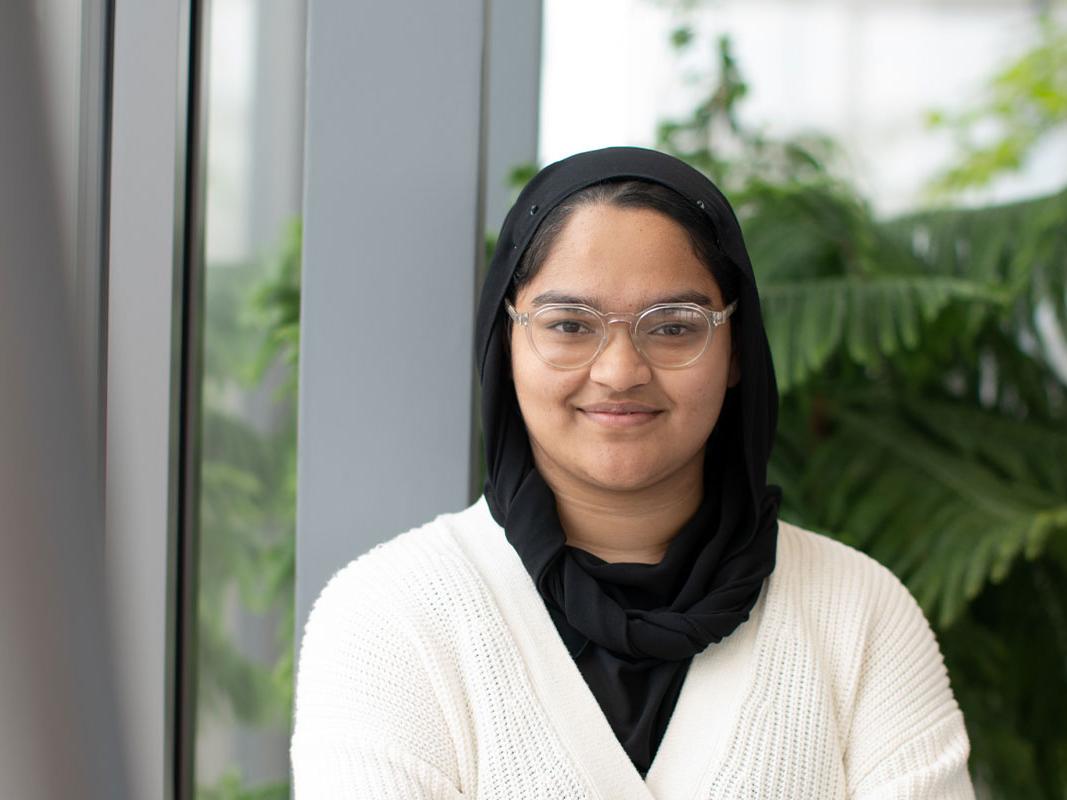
(619, 365)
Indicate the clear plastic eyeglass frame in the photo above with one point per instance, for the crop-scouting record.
(715, 318)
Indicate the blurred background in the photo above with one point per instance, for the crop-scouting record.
(251, 195)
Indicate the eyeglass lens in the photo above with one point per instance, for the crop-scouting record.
(668, 336)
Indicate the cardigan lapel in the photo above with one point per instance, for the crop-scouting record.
(696, 742)
(696, 734)
(572, 709)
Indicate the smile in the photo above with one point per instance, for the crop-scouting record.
(621, 419)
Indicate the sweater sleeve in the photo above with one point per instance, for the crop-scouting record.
(367, 721)
(907, 739)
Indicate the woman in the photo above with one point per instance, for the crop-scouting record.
(622, 614)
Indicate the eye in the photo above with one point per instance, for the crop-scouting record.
(673, 324)
(569, 326)
(566, 323)
(671, 329)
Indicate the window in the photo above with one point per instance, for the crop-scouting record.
(253, 108)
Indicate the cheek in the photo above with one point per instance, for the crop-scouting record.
(698, 398)
(542, 392)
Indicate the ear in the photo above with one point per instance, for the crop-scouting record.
(735, 369)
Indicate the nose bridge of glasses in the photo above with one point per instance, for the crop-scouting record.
(627, 319)
(630, 321)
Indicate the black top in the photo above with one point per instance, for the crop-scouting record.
(633, 629)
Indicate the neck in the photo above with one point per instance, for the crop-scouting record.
(626, 526)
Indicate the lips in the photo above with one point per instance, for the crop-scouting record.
(619, 408)
(620, 415)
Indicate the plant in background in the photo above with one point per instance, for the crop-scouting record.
(924, 392)
(1023, 105)
(714, 139)
(248, 501)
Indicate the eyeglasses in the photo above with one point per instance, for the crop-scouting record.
(668, 335)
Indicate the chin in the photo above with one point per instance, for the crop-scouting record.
(622, 475)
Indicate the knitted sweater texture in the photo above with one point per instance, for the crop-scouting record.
(430, 668)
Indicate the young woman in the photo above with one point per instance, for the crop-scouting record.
(622, 615)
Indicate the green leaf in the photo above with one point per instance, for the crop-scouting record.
(910, 484)
(808, 322)
(681, 37)
(1024, 103)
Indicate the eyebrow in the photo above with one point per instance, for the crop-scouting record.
(571, 299)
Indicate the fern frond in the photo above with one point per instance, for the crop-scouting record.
(1019, 246)
(809, 321)
(921, 502)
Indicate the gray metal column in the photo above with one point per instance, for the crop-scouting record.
(392, 236)
(148, 152)
(514, 92)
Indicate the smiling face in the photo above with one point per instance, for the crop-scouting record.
(621, 259)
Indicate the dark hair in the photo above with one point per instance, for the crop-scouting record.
(630, 193)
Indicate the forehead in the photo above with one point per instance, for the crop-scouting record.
(621, 258)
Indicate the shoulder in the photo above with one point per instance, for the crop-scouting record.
(849, 607)
(387, 583)
(856, 611)
(820, 570)
(900, 724)
(374, 633)
(860, 617)
(360, 615)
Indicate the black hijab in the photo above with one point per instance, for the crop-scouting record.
(633, 629)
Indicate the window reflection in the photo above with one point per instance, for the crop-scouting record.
(254, 55)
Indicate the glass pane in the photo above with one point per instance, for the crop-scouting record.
(254, 53)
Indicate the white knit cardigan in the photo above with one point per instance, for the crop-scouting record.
(430, 668)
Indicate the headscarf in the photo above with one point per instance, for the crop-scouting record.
(633, 629)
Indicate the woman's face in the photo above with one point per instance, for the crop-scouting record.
(621, 259)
